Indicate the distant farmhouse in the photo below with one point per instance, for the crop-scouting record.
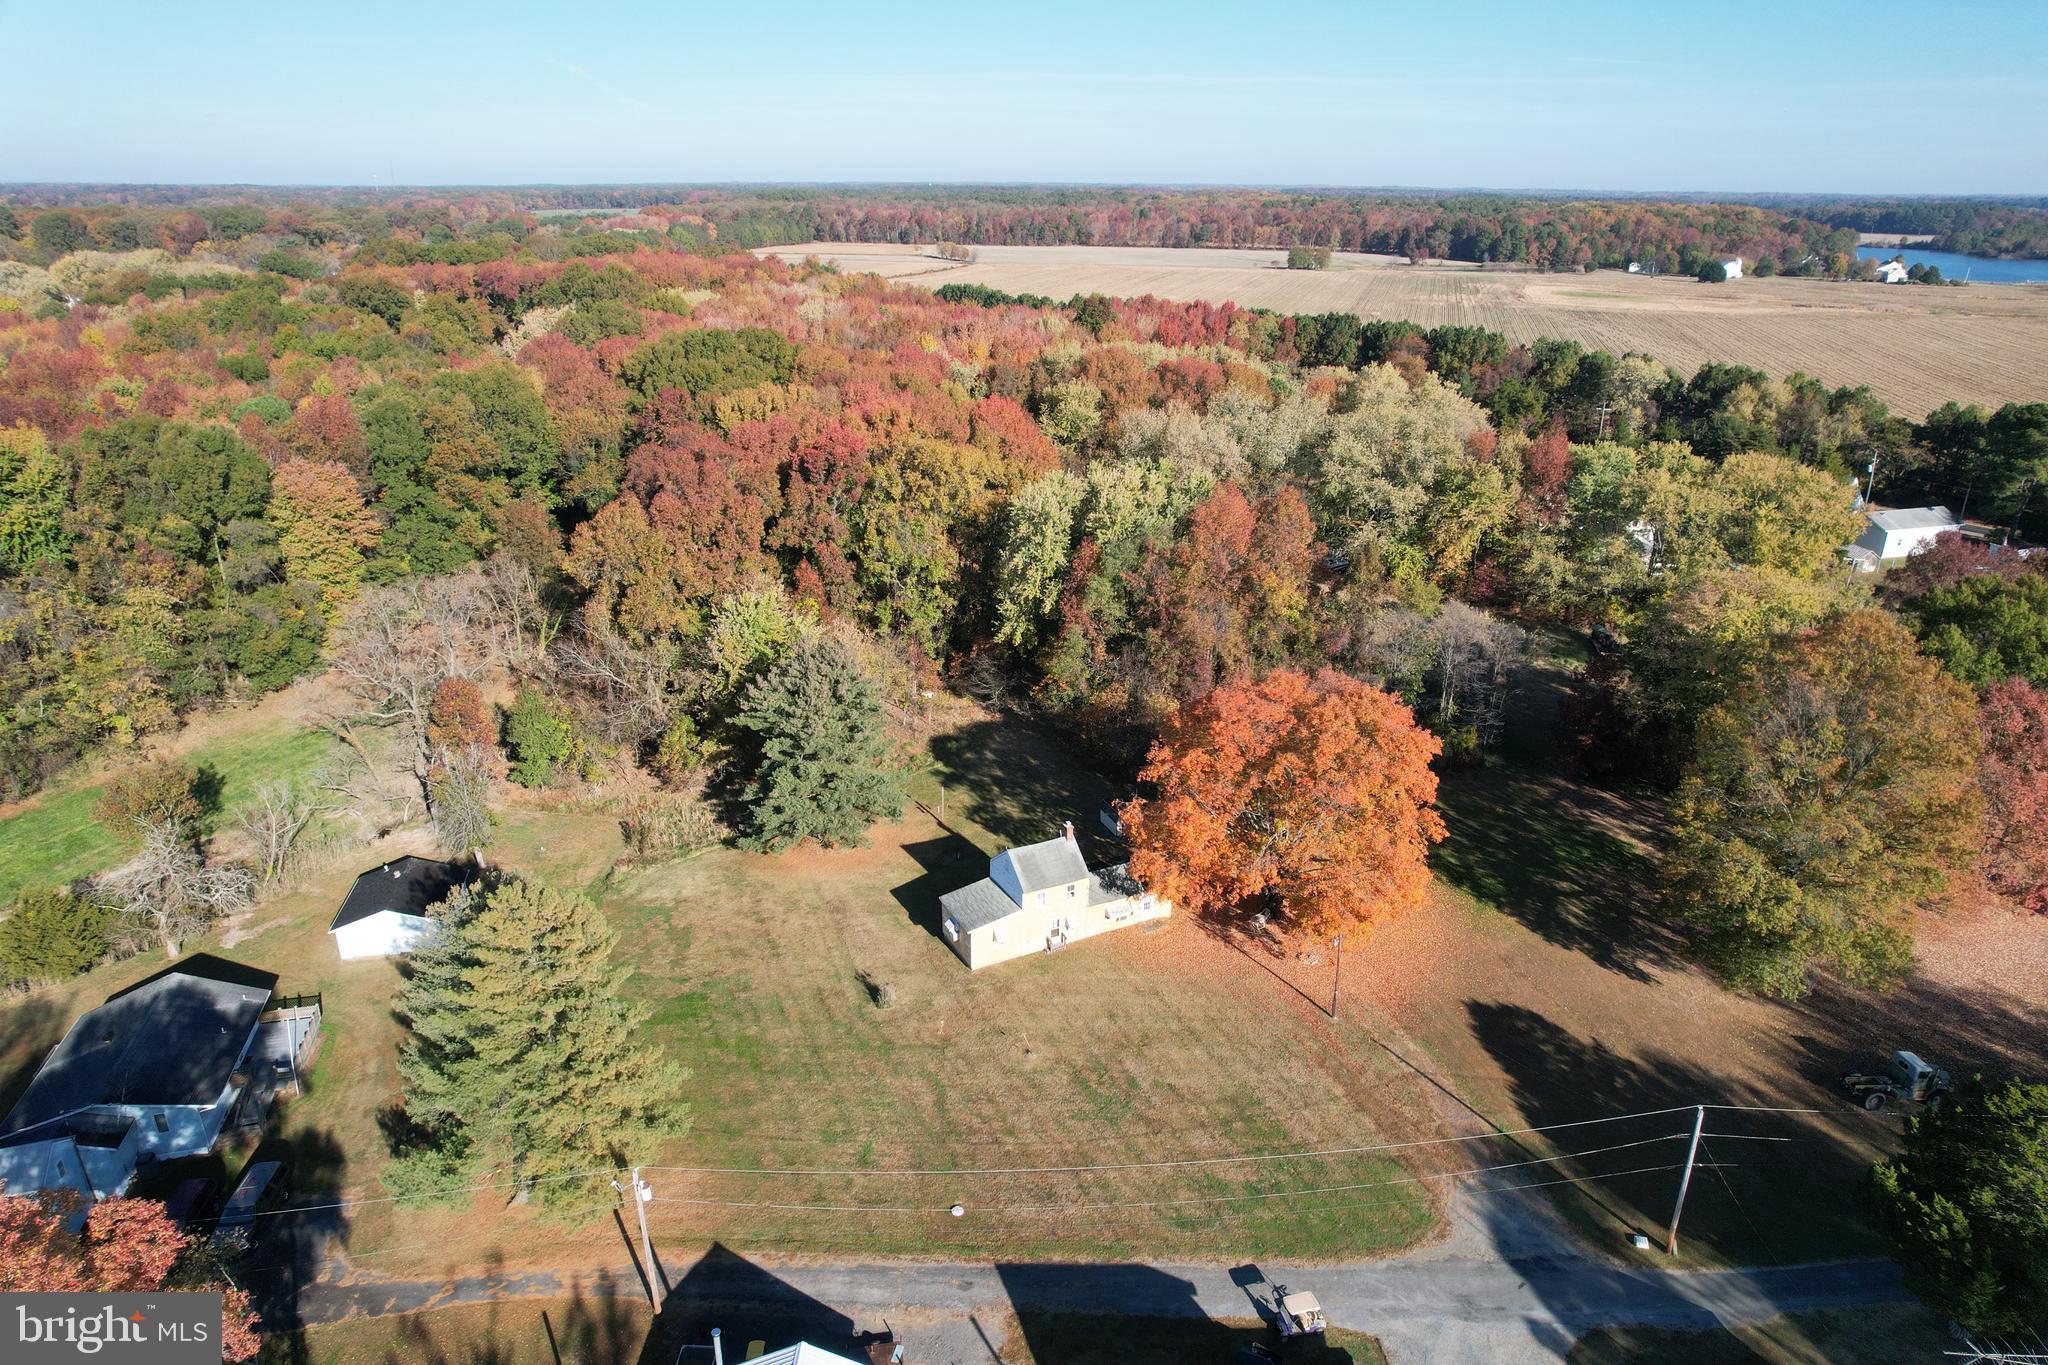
(1038, 898)
(1733, 265)
(1893, 272)
(155, 1074)
(386, 911)
(1896, 532)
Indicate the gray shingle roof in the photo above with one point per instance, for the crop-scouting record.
(172, 1040)
(408, 885)
(1053, 863)
(979, 904)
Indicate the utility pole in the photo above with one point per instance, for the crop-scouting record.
(1699, 1121)
(641, 1194)
(1337, 983)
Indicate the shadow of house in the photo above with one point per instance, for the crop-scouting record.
(949, 862)
(747, 1304)
(1139, 1315)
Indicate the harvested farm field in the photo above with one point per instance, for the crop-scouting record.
(1915, 346)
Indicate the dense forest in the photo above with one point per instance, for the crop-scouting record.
(1548, 234)
(259, 440)
(1997, 227)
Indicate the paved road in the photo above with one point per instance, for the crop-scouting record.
(1490, 1309)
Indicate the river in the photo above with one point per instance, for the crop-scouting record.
(1955, 266)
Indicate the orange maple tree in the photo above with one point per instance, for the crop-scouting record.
(1307, 797)
(126, 1246)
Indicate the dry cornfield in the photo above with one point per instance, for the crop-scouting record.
(1915, 347)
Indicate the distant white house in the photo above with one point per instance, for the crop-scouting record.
(1733, 265)
(1895, 532)
(1040, 897)
(387, 911)
(1893, 272)
(1635, 267)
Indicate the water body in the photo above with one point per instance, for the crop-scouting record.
(1954, 265)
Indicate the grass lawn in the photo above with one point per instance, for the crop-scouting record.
(53, 839)
(1149, 1045)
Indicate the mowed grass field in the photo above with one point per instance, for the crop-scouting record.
(53, 838)
(1915, 347)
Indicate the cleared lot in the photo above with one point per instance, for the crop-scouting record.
(1915, 347)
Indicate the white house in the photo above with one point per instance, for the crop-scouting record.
(1893, 272)
(154, 1073)
(1040, 897)
(803, 1353)
(1896, 532)
(388, 910)
(1733, 265)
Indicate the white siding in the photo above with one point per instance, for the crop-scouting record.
(384, 934)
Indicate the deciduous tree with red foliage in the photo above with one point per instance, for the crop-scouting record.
(2014, 714)
(1546, 468)
(128, 1246)
(1232, 594)
(1309, 797)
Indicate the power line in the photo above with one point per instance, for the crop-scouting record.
(1161, 1165)
(1180, 1203)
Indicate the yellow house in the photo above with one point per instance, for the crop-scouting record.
(1040, 897)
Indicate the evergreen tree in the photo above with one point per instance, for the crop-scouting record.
(824, 771)
(1962, 1204)
(50, 935)
(521, 1053)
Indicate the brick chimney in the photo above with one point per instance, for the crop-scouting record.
(1068, 830)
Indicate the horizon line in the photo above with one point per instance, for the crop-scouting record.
(1300, 187)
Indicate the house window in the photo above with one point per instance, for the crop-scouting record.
(163, 1121)
(62, 1174)
(1120, 910)
(1073, 890)
(952, 931)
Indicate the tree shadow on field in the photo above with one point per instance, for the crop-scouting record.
(1019, 783)
(1560, 856)
(1839, 1028)
(1771, 1187)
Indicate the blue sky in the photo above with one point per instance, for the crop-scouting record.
(1548, 93)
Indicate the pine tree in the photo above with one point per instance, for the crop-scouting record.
(521, 1053)
(824, 771)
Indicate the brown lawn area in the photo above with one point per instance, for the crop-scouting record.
(1538, 988)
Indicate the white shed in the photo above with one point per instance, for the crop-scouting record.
(388, 910)
(1733, 265)
(1896, 532)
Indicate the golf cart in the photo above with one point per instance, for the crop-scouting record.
(1297, 1315)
